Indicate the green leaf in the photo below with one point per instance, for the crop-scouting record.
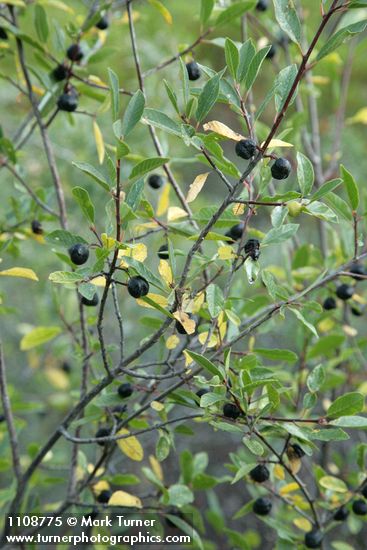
(346, 405)
(134, 195)
(205, 363)
(61, 237)
(316, 378)
(350, 422)
(40, 23)
(277, 354)
(179, 495)
(254, 446)
(301, 318)
(207, 97)
(280, 234)
(340, 37)
(162, 121)
(172, 96)
(188, 529)
(185, 82)
(319, 210)
(115, 94)
(255, 66)
(133, 113)
(93, 173)
(283, 85)
(232, 57)
(206, 9)
(235, 10)
(339, 206)
(83, 199)
(305, 174)
(329, 434)
(247, 52)
(146, 166)
(326, 188)
(214, 299)
(65, 277)
(326, 346)
(333, 484)
(351, 186)
(287, 17)
(38, 336)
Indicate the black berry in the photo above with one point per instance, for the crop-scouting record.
(252, 248)
(92, 302)
(201, 392)
(341, 514)
(60, 73)
(271, 53)
(313, 539)
(260, 473)
(155, 181)
(163, 252)
(364, 491)
(193, 70)
(93, 514)
(125, 390)
(262, 506)
(3, 34)
(296, 450)
(102, 432)
(344, 292)
(173, 512)
(74, 52)
(68, 102)
(356, 311)
(359, 507)
(79, 253)
(36, 227)
(138, 287)
(2, 418)
(230, 410)
(246, 148)
(119, 409)
(104, 496)
(236, 231)
(66, 367)
(281, 169)
(357, 269)
(103, 23)
(262, 5)
(180, 328)
(329, 303)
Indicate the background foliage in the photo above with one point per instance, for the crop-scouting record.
(258, 338)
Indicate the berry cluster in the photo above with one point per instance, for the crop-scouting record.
(346, 291)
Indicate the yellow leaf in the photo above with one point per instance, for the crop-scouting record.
(212, 342)
(279, 472)
(289, 488)
(163, 202)
(19, 3)
(162, 10)
(174, 213)
(157, 298)
(99, 142)
(98, 281)
(38, 336)
(359, 118)
(278, 143)
(321, 80)
(23, 272)
(138, 252)
(238, 209)
(196, 187)
(198, 302)
(57, 4)
(156, 467)
(130, 446)
(157, 406)
(120, 498)
(188, 324)
(99, 472)
(222, 130)
(108, 242)
(303, 524)
(350, 331)
(325, 325)
(96, 80)
(225, 253)
(57, 378)
(100, 486)
(295, 465)
(165, 272)
(172, 342)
